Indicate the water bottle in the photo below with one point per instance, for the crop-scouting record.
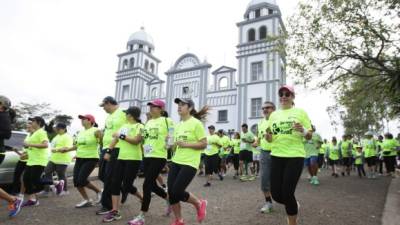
(170, 139)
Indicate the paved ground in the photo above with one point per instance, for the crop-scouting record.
(337, 201)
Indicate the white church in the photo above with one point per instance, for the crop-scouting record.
(237, 94)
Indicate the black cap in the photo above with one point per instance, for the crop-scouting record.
(61, 126)
(39, 120)
(187, 101)
(109, 99)
(211, 127)
(221, 131)
(134, 112)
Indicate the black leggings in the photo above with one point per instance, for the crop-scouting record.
(19, 170)
(211, 163)
(390, 163)
(107, 168)
(236, 161)
(60, 169)
(179, 178)
(152, 168)
(360, 170)
(285, 173)
(82, 170)
(32, 179)
(320, 160)
(124, 174)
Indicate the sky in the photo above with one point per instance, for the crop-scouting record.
(64, 52)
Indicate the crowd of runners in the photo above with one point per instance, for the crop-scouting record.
(285, 142)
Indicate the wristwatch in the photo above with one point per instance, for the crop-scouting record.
(122, 136)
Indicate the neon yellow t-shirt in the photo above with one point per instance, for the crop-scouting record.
(155, 133)
(60, 141)
(114, 121)
(236, 145)
(358, 157)
(389, 147)
(286, 142)
(38, 156)
(262, 127)
(87, 144)
(190, 131)
(213, 142)
(334, 152)
(323, 148)
(369, 147)
(249, 136)
(129, 151)
(345, 149)
(225, 145)
(311, 145)
(25, 150)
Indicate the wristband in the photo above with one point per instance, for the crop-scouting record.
(122, 136)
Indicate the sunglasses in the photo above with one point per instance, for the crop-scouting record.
(267, 107)
(286, 94)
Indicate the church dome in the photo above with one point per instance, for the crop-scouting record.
(141, 37)
(256, 2)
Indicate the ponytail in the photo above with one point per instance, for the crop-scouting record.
(202, 114)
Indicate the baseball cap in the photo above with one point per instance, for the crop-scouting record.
(133, 111)
(38, 120)
(187, 101)
(88, 117)
(211, 127)
(5, 101)
(109, 99)
(157, 102)
(288, 88)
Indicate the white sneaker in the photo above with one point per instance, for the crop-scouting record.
(267, 208)
(98, 198)
(63, 193)
(84, 203)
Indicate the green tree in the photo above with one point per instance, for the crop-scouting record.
(330, 40)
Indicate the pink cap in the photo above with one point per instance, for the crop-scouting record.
(88, 117)
(288, 88)
(157, 102)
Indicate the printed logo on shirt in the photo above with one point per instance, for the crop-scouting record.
(283, 127)
(151, 133)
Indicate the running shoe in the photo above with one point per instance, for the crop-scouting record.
(102, 211)
(207, 184)
(30, 203)
(168, 209)
(98, 198)
(202, 211)
(267, 208)
(178, 222)
(221, 178)
(112, 216)
(59, 187)
(139, 220)
(251, 178)
(316, 181)
(244, 178)
(200, 173)
(84, 203)
(14, 207)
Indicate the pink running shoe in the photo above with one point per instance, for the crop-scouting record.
(178, 222)
(202, 211)
(60, 187)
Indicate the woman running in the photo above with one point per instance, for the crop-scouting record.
(211, 155)
(287, 128)
(389, 147)
(190, 141)
(128, 161)
(156, 132)
(235, 143)
(333, 157)
(37, 160)
(370, 146)
(87, 156)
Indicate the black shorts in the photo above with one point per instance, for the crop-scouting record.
(371, 161)
(347, 161)
(246, 156)
(333, 162)
(211, 163)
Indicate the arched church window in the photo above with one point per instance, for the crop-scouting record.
(152, 67)
(251, 35)
(223, 83)
(154, 93)
(146, 65)
(125, 64)
(131, 62)
(263, 32)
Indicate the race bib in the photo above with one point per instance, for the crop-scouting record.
(147, 149)
(243, 145)
(208, 148)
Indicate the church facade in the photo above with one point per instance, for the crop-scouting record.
(237, 94)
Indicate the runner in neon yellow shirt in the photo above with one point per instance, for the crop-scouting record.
(346, 152)
(246, 153)
(211, 158)
(322, 154)
(312, 147)
(334, 156)
(359, 160)
(38, 155)
(235, 143)
(224, 152)
(86, 145)
(59, 160)
(370, 151)
(287, 128)
(157, 134)
(389, 152)
(190, 141)
(127, 166)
